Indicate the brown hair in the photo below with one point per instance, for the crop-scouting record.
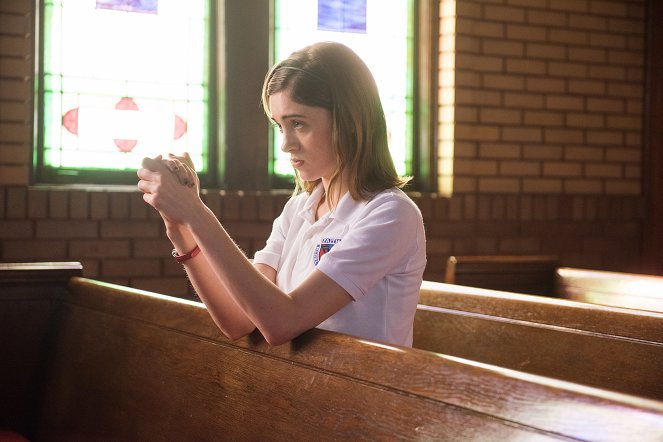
(330, 75)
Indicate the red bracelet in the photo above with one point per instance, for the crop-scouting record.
(186, 256)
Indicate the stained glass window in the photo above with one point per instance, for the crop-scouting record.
(121, 80)
(381, 32)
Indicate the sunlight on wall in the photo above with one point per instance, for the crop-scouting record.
(445, 155)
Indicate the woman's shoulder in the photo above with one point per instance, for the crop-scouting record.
(396, 199)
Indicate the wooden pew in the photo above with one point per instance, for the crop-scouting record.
(532, 274)
(616, 349)
(130, 365)
(29, 295)
(643, 292)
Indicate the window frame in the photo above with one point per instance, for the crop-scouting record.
(239, 132)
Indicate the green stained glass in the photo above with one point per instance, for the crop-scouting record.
(381, 32)
(123, 82)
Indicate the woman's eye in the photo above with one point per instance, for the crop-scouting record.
(297, 124)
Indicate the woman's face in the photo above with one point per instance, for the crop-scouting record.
(307, 137)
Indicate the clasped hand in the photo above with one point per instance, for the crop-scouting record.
(170, 185)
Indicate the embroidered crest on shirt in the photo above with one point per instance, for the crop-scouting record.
(324, 246)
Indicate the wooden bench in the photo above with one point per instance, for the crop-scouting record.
(542, 275)
(533, 274)
(130, 365)
(643, 292)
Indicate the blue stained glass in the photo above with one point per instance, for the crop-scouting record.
(147, 6)
(342, 15)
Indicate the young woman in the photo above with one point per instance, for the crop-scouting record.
(348, 251)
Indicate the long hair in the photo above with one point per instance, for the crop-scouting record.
(330, 75)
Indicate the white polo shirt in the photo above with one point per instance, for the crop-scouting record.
(375, 250)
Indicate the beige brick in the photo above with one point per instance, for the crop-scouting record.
(568, 36)
(518, 245)
(583, 186)
(607, 105)
(525, 101)
(504, 13)
(520, 168)
(625, 90)
(50, 229)
(535, 84)
(479, 63)
(58, 204)
(542, 185)
(587, 87)
(100, 249)
(13, 89)
(15, 112)
(568, 70)
(475, 167)
(467, 79)
(542, 118)
(583, 153)
(626, 26)
(526, 33)
(16, 200)
(625, 155)
(628, 58)
(14, 154)
(589, 22)
(14, 132)
(478, 97)
(99, 205)
(467, 43)
(635, 43)
(524, 134)
(546, 51)
(564, 169)
(633, 172)
(465, 184)
(635, 75)
(636, 11)
(466, 114)
(503, 47)
(606, 137)
(499, 185)
(468, 9)
(525, 66)
(465, 149)
(607, 72)
(624, 122)
(569, 5)
(584, 120)
(634, 107)
(545, 17)
(119, 205)
(505, 82)
(20, 229)
(563, 102)
(566, 136)
(616, 8)
(499, 115)
(79, 204)
(130, 229)
(603, 170)
(16, 68)
(16, 7)
(499, 150)
(623, 187)
(478, 28)
(115, 268)
(34, 250)
(633, 139)
(37, 204)
(588, 55)
(14, 24)
(607, 40)
(477, 132)
(14, 175)
(542, 151)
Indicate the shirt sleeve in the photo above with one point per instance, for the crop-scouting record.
(384, 241)
(273, 250)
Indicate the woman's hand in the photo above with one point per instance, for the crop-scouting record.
(171, 186)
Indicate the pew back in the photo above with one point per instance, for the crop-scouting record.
(643, 292)
(132, 365)
(589, 358)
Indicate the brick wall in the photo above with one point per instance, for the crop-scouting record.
(546, 158)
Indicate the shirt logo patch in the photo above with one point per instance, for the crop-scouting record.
(324, 246)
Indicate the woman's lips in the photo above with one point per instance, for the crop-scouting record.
(296, 163)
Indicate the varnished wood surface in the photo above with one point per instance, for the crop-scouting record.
(531, 274)
(635, 291)
(613, 363)
(134, 366)
(615, 321)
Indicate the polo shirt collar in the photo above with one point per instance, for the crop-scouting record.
(343, 209)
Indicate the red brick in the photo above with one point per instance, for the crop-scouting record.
(58, 204)
(79, 204)
(37, 204)
(34, 250)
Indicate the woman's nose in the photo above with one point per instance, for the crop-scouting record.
(289, 143)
